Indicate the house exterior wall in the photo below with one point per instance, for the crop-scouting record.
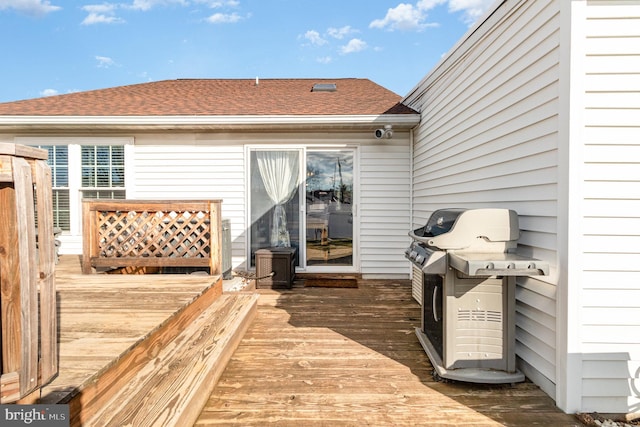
(212, 165)
(488, 137)
(191, 167)
(609, 321)
(385, 176)
(536, 109)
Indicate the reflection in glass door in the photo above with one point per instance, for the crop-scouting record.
(329, 208)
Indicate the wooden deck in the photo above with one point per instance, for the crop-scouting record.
(101, 316)
(313, 356)
(350, 357)
(142, 350)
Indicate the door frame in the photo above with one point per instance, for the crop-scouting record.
(302, 267)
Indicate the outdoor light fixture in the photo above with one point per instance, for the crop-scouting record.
(386, 133)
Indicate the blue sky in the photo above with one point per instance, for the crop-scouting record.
(53, 47)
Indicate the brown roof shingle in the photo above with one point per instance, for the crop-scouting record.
(218, 97)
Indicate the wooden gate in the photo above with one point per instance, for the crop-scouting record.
(28, 356)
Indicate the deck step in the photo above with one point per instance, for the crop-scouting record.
(172, 388)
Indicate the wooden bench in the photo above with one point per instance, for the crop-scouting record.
(172, 387)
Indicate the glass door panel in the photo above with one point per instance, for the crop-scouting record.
(329, 208)
(275, 200)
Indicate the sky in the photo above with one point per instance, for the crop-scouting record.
(55, 47)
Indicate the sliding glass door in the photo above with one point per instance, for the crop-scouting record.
(275, 181)
(329, 208)
(304, 198)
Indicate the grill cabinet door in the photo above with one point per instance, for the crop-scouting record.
(432, 315)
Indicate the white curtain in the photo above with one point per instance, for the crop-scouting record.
(279, 171)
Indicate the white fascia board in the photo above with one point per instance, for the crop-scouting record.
(404, 120)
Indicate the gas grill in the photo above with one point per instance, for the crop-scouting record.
(468, 263)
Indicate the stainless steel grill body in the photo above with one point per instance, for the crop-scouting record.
(469, 267)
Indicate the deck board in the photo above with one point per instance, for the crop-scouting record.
(350, 357)
(100, 317)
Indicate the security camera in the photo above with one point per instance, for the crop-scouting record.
(387, 132)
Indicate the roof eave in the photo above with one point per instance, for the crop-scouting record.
(399, 121)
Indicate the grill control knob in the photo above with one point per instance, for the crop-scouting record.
(413, 254)
(420, 259)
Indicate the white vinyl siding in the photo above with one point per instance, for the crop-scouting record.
(489, 138)
(192, 165)
(611, 227)
(385, 177)
(202, 166)
(168, 168)
(537, 110)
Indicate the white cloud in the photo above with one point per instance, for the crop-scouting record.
(149, 4)
(354, 45)
(402, 17)
(410, 17)
(100, 8)
(224, 18)
(95, 18)
(104, 61)
(429, 4)
(215, 4)
(315, 38)
(340, 33)
(101, 14)
(29, 7)
(49, 92)
(471, 9)
(105, 13)
(324, 59)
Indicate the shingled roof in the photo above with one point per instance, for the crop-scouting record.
(219, 97)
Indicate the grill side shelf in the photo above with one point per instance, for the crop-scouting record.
(497, 264)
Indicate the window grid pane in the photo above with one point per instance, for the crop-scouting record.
(58, 161)
(102, 166)
(103, 194)
(61, 209)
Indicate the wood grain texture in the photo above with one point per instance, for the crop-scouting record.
(46, 273)
(350, 357)
(111, 323)
(171, 389)
(152, 233)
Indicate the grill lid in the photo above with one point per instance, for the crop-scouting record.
(439, 222)
(479, 230)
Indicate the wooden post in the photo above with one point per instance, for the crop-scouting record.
(24, 328)
(10, 282)
(88, 232)
(46, 273)
(26, 225)
(215, 224)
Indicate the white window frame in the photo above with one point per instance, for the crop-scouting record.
(75, 169)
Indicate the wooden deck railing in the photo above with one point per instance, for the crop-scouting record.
(28, 342)
(151, 233)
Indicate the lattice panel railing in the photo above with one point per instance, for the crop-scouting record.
(152, 233)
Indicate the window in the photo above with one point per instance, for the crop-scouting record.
(83, 171)
(102, 172)
(58, 160)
